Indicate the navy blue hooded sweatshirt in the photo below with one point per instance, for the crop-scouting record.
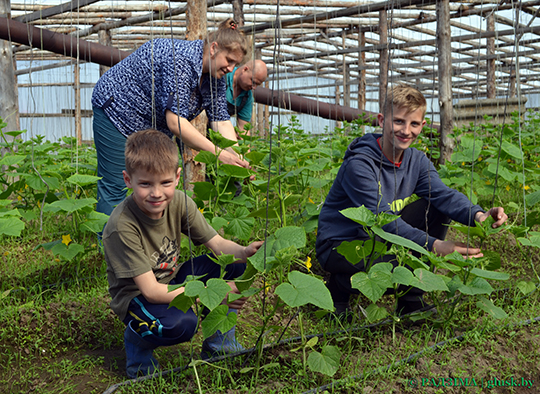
(364, 170)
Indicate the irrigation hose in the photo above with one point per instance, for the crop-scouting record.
(405, 360)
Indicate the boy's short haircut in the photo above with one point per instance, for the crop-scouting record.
(405, 96)
(152, 151)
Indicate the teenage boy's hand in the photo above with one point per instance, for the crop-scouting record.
(496, 213)
(442, 248)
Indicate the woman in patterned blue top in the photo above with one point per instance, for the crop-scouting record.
(164, 85)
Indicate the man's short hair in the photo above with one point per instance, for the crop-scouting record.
(405, 96)
(152, 151)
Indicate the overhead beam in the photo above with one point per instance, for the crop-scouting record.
(51, 11)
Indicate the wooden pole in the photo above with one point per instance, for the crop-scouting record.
(346, 86)
(337, 101)
(490, 50)
(383, 56)
(9, 98)
(196, 30)
(445, 79)
(362, 72)
(104, 39)
(77, 87)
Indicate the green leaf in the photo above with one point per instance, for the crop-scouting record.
(210, 295)
(182, 301)
(402, 276)
(240, 226)
(261, 213)
(204, 190)
(526, 287)
(70, 206)
(218, 222)
(360, 215)
(223, 260)
(218, 319)
(95, 221)
(490, 274)
(206, 157)
(398, 240)
(67, 252)
(11, 226)
(488, 307)
(477, 286)
(11, 160)
(83, 180)
(244, 282)
(234, 171)
(36, 183)
(327, 362)
(255, 157)
(533, 198)
(373, 284)
(428, 281)
(355, 251)
(375, 313)
(305, 289)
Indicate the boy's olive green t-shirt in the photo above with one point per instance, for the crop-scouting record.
(135, 244)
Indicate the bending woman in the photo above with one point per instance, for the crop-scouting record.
(163, 85)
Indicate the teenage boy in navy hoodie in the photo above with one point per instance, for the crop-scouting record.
(382, 172)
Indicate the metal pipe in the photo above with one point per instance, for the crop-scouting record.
(62, 44)
(107, 56)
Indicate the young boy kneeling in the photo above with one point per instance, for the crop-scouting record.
(142, 245)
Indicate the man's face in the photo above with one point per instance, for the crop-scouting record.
(223, 61)
(249, 80)
(400, 129)
(152, 192)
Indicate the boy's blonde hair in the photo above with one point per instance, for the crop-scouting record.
(229, 37)
(405, 96)
(152, 151)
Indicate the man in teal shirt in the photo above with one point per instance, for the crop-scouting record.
(240, 83)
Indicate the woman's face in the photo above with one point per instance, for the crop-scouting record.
(222, 62)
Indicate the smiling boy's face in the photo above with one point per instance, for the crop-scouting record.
(400, 127)
(152, 192)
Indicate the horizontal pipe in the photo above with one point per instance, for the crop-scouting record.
(293, 102)
(62, 44)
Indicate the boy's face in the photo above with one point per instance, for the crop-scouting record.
(152, 192)
(400, 129)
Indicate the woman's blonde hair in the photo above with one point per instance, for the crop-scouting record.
(228, 37)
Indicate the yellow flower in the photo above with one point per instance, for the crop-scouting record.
(507, 188)
(94, 245)
(509, 160)
(526, 187)
(39, 204)
(488, 182)
(26, 186)
(266, 289)
(480, 158)
(57, 260)
(462, 163)
(66, 239)
(310, 200)
(201, 210)
(19, 198)
(6, 253)
(308, 264)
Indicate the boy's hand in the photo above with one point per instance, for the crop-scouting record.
(442, 248)
(236, 304)
(252, 248)
(496, 213)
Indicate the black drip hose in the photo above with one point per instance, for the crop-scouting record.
(307, 337)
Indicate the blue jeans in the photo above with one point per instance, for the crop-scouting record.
(110, 146)
(169, 326)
